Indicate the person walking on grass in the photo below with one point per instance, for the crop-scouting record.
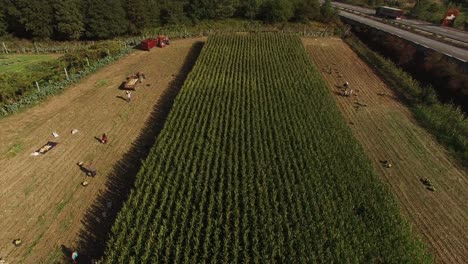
(129, 96)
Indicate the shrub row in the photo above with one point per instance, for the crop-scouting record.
(445, 121)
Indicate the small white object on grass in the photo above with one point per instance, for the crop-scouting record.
(55, 134)
(35, 153)
(74, 131)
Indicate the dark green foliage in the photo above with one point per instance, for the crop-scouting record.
(327, 12)
(68, 20)
(201, 9)
(172, 12)
(307, 10)
(138, 15)
(153, 11)
(427, 10)
(249, 9)
(105, 19)
(30, 18)
(3, 22)
(255, 164)
(274, 11)
(210, 9)
(224, 9)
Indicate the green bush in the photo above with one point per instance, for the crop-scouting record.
(19, 91)
(16, 85)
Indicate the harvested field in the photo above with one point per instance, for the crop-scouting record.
(387, 131)
(42, 200)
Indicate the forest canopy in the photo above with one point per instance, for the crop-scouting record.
(104, 19)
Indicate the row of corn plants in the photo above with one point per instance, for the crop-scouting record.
(256, 164)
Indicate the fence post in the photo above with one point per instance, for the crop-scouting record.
(4, 48)
(87, 61)
(66, 73)
(38, 89)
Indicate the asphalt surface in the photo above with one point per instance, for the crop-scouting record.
(455, 34)
(446, 49)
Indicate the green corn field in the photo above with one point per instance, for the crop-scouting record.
(256, 164)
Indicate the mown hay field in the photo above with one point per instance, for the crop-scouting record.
(256, 163)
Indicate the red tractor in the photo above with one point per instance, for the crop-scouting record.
(161, 41)
(148, 44)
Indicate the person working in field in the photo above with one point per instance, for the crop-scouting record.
(345, 92)
(104, 138)
(129, 96)
(91, 171)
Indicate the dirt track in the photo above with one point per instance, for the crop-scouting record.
(42, 201)
(387, 131)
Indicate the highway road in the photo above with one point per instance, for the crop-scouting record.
(455, 34)
(441, 47)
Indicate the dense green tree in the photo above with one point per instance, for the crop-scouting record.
(224, 9)
(200, 9)
(3, 23)
(272, 11)
(327, 12)
(306, 10)
(172, 12)
(68, 20)
(210, 9)
(249, 9)
(105, 19)
(138, 15)
(153, 9)
(102, 19)
(30, 18)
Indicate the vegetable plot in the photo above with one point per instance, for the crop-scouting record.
(256, 164)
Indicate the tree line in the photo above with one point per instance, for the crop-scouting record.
(104, 19)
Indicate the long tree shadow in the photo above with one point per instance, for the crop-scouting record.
(100, 217)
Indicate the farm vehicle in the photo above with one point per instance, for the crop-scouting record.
(133, 80)
(149, 43)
